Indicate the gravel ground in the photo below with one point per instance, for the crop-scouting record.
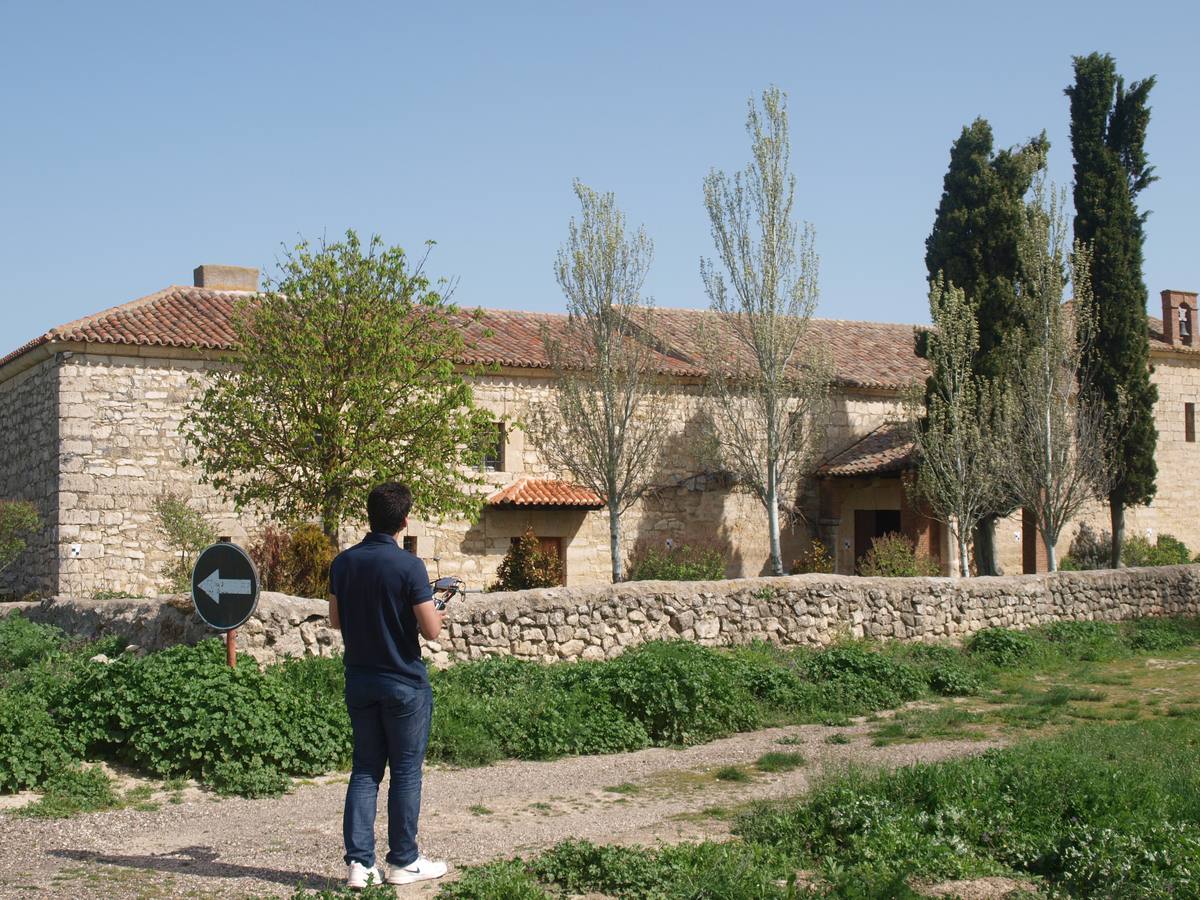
(210, 847)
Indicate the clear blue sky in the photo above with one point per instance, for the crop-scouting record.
(144, 139)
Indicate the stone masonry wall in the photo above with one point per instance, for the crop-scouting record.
(28, 470)
(600, 622)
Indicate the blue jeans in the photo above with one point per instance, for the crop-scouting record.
(391, 728)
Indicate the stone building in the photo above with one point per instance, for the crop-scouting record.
(91, 414)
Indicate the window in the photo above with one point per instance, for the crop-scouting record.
(493, 455)
(1189, 422)
(1185, 324)
(410, 544)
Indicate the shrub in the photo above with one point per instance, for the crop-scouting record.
(23, 643)
(680, 692)
(186, 532)
(18, 519)
(1165, 551)
(1002, 647)
(294, 561)
(1090, 549)
(1158, 634)
(31, 747)
(526, 566)
(895, 556)
(951, 680)
(676, 562)
(816, 558)
(1090, 641)
(854, 679)
(72, 790)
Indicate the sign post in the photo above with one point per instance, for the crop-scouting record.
(225, 591)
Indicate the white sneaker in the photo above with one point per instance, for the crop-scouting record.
(359, 875)
(420, 869)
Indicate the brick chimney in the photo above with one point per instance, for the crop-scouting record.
(239, 278)
(1179, 317)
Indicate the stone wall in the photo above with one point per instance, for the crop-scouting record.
(121, 448)
(600, 622)
(281, 626)
(29, 435)
(810, 610)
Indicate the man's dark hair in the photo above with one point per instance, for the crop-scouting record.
(388, 505)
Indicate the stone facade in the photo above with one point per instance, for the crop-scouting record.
(29, 418)
(601, 622)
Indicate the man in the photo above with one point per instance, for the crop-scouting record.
(380, 598)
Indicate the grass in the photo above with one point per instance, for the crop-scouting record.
(779, 762)
(1086, 813)
(939, 723)
(624, 787)
(478, 809)
(838, 737)
(732, 773)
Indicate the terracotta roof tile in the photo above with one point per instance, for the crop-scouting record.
(886, 449)
(532, 492)
(174, 317)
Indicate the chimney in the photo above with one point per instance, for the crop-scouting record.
(1179, 317)
(226, 278)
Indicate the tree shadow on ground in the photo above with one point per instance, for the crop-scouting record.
(202, 862)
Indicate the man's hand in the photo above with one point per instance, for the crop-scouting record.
(429, 620)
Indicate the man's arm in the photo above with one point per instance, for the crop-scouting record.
(335, 621)
(429, 619)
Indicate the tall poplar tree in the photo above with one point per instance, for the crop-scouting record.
(1108, 136)
(974, 246)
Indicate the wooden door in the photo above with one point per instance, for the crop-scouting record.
(553, 546)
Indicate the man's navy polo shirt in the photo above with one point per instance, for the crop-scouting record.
(377, 585)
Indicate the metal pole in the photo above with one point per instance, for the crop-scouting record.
(231, 647)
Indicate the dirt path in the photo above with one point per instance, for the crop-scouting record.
(209, 847)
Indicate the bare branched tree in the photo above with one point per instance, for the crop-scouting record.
(960, 463)
(769, 387)
(605, 421)
(1059, 457)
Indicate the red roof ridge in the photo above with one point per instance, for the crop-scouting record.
(530, 491)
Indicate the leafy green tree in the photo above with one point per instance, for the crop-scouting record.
(527, 565)
(18, 520)
(770, 381)
(345, 376)
(1057, 457)
(959, 459)
(974, 247)
(605, 420)
(187, 533)
(1108, 137)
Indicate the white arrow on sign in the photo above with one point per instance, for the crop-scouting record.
(214, 585)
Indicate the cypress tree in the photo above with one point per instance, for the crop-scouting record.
(1108, 135)
(974, 246)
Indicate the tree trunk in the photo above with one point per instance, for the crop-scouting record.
(773, 523)
(964, 565)
(1118, 531)
(985, 547)
(614, 543)
(1051, 558)
(330, 523)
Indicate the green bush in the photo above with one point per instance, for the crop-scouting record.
(187, 532)
(1159, 634)
(23, 643)
(895, 556)
(31, 745)
(680, 692)
(677, 562)
(855, 679)
(1089, 641)
(76, 789)
(18, 520)
(1165, 551)
(1002, 647)
(815, 558)
(183, 711)
(1090, 549)
(953, 680)
(526, 566)
(293, 561)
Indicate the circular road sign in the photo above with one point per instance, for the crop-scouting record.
(224, 586)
